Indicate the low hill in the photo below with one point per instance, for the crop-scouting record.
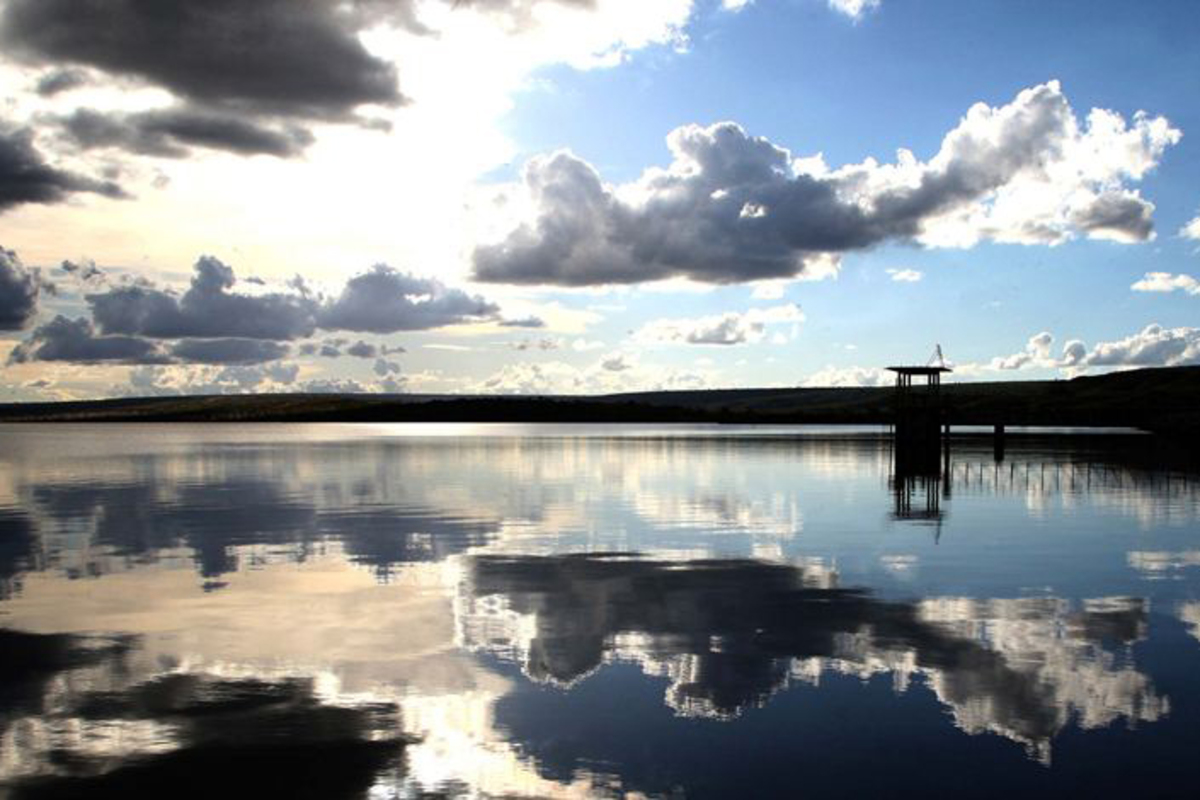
(1163, 400)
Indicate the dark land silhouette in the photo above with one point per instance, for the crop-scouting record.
(1160, 400)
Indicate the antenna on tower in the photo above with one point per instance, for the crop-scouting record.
(937, 359)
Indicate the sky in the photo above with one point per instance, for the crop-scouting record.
(591, 196)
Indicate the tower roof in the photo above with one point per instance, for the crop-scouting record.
(921, 370)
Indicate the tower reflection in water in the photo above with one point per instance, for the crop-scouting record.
(919, 479)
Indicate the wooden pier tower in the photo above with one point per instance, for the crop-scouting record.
(919, 411)
(918, 444)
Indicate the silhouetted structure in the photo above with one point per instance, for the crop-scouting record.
(917, 438)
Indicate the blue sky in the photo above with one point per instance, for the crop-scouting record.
(632, 271)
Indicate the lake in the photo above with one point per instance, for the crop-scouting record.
(576, 611)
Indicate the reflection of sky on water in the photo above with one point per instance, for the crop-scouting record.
(729, 634)
(382, 589)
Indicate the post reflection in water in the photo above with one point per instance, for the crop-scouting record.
(576, 611)
(920, 472)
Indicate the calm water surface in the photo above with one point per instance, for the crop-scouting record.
(344, 611)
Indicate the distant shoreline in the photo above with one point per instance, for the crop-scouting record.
(1161, 400)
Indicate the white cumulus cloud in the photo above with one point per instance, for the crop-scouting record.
(906, 275)
(1166, 282)
(729, 328)
(1192, 229)
(849, 376)
(733, 208)
(854, 9)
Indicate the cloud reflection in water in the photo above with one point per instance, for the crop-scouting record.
(401, 573)
(729, 634)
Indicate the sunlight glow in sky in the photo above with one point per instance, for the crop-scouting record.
(546, 196)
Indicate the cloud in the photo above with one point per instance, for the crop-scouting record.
(211, 323)
(25, 177)
(849, 376)
(736, 5)
(236, 379)
(906, 275)
(523, 322)
(85, 271)
(553, 377)
(1153, 346)
(76, 341)
(228, 351)
(724, 329)
(293, 58)
(332, 386)
(1192, 229)
(1035, 354)
(1121, 216)
(384, 368)
(383, 300)
(855, 9)
(617, 362)
(19, 290)
(61, 80)
(395, 385)
(253, 77)
(63, 339)
(644, 24)
(545, 343)
(1166, 282)
(169, 133)
(208, 309)
(610, 374)
(735, 208)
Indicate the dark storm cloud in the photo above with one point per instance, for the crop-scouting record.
(25, 177)
(75, 340)
(228, 351)
(169, 133)
(297, 58)
(734, 208)
(19, 289)
(61, 80)
(208, 309)
(383, 300)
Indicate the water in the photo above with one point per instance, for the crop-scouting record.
(340, 611)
